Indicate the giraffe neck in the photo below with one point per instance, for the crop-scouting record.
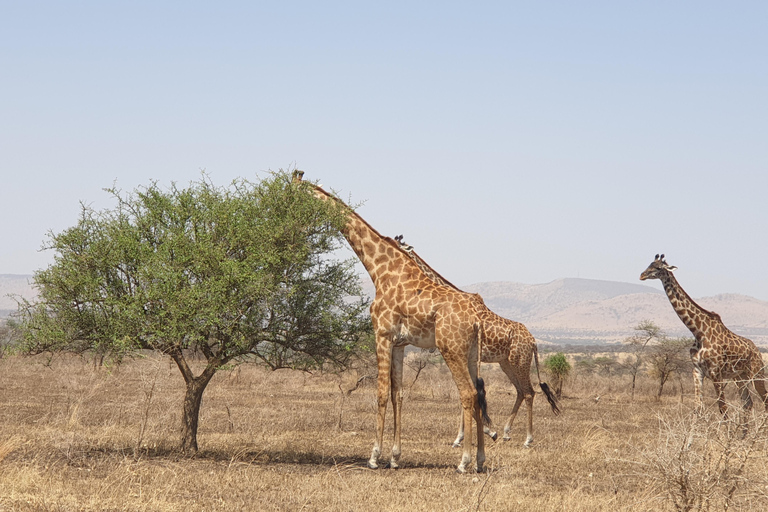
(429, 271)
(697, 319)
(379, 255)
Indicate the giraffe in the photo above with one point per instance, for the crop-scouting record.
(506, 342)
(717, 352)
(410, 309)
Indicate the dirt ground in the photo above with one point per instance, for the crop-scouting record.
(76, 438)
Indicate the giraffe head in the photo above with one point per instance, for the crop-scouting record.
(657, 269)
(298, 176)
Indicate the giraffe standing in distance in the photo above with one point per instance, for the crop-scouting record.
(717, 352)
(505, 342)
(410, 309)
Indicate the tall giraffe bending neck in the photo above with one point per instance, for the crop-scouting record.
(411, 309)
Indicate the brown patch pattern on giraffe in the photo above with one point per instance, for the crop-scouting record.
(410, 309)
(504, 341)
(717, 352)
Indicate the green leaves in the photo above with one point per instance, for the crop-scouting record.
(231, 272)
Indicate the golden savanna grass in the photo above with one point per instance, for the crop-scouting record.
(77, 438)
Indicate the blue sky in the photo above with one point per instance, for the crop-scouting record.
(518, 141)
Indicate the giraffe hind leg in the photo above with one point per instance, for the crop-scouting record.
(760, 388)
(397, 403)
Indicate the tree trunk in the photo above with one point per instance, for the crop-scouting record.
(192, 400)
(662, 381)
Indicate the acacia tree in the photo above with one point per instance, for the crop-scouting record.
(645, 332)
(235, 274)
(669, 356)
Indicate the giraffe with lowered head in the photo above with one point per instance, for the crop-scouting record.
(411, 309)
(506, 342)
(717, 352)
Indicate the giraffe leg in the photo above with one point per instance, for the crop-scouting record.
(720, 391)
(746, 404)
(698, 381)
(474, 360)
(397, 401)
(760, 388)
(460, 435)
(529, 404)
(509, 371)
(383, 360)
(468, 394)
(515, 408)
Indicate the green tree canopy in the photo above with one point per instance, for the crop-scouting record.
(236, 273)
(559, 368)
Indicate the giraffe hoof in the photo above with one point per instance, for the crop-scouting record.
(506, 438)
(372, 465)
(456, 445)
(494, 436)
(460, 470)
(480, 469)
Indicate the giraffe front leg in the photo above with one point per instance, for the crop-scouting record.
(746, 406)
(698, 381)
(480, 457)
(720, 390)
(760, 388)
(383, 383)
(397, 402)
(468, 397)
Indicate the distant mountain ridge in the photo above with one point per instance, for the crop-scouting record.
(589, 311)
(570, 310)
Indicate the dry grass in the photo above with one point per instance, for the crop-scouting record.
(76, 438)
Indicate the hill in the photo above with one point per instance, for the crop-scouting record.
(589, 311)
(580, 311)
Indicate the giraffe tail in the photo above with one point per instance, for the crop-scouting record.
(482, 402)
(544, 386)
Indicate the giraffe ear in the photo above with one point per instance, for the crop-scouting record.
(671, 268)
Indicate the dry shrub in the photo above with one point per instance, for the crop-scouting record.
(704, 462)
(8, 446)
(77, 438)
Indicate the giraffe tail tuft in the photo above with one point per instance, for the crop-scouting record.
(481, 401)
(550, 397)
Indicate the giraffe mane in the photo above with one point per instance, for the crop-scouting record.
(709, 313)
